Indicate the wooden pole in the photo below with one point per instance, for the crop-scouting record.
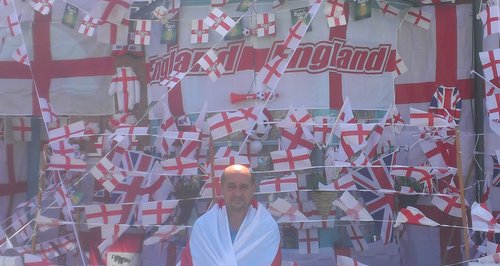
(210, 158)
(462, 194)
(41, 185)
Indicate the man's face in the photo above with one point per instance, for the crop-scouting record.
(238, 191)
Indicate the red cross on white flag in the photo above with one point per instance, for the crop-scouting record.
(355, 135)
(412, 215)
(321, 129)
(110, 233)
(21, 128)
(73, 130)
(219, 21)
(225, 152)
(344, 182)
(419, 18)
(493, 107)
(436, 151)
(48, 114)
(427, 119)
(161, 13)
(271, 73)
(220, 164)
(358, 241)
(212, 65)
(490, 17)
(157, 212)
(13, 24)
(97, 215)
(449, 204)
(125, 84)
(422, 174)
(266, 24)
(291, 159)
(285, 211)
(491, 63)
(279, 184)
(65, 163)
(106, 174)
(354, 210)
(42, 6)
(199, 31)
(387, 9)
(482, 219)
(295, 34)
(334, 8)
(163, 233)
(212, 186)
(88, 26)
(297, 117)
(180, 166)
(142, 33)
(225, 123)
(296, 137)
(308, 241)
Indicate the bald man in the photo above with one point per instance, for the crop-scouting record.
(237, 230)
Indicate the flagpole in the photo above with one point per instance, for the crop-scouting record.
(41, 184)
(212, 171)
(330, 136)
(462, 194)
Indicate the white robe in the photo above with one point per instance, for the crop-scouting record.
(257, 241)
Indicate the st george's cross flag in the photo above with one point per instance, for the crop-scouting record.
(291, 159)
(225, 123)
(334, 8)
(21, 128)
(296, 137)
(490, 17)
(21, 56)
(308, 241)
(387, 9)
(353, 209)
(97, 215)
(419, 18)
(164, 232)
(449, 204)
(285, 211)
(279, 184)
(180, 166)
(157, 212)
(491, 63)
(73, 61)
(272, 71)
(412, 215)
(344, 182)
(65, 163)
(13, 24)
(482, 219)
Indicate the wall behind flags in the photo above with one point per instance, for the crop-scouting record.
(363, 61)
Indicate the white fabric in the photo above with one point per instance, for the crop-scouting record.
(257, 241)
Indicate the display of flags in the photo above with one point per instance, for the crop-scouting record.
(199, 31)
(447, 101)
(266, 24)
(491, 63)
(353, 209)
(279, 184)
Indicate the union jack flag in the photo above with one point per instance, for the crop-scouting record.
(496, 172)
(447, 100)
(137, 161)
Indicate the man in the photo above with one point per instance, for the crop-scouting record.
(236, 230)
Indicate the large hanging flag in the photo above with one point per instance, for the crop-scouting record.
(57, 66)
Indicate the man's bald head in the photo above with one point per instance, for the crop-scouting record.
(236, 169)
